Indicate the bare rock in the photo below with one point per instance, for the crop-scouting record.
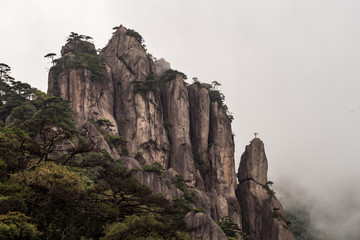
(254, 164)
(263, 215)
(199, 102)
(203, 227)
(97, 140)
(138, 114)
(78, 46)
(176, 107)
(157, 184)
(221, 158)
(161, 67)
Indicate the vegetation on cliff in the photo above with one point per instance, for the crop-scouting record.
(44, 195)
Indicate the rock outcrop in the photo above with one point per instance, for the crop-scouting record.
(122, 94)
(137, 107)
(203, 227)
(176, 108)
(263, 215)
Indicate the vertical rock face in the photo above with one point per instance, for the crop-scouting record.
(138, 115)
(253, 164)
(221, 157)
(176, 107)
(213, 148)
(204, 227)
(263, 215)
(199, 101)
(90, 98)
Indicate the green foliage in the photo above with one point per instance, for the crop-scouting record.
(215, 95)
(16, 148)
(201, 164)
(12, 196)
(85, 58)
(69, 202)
(190, 196)
(268, 189)
(32, 114)
(58, 181)
(23, 112)
(151, 84)
(155, 167)
(114, 140)
(198, 210)
(15, 94)
(136, 35)
(179, 182)
(3, 169)
(53, 124)
(117, 141)
(145, 227)
(16, 225)
(106, 123)
(171, 74)
(276, 215)
(231, 229)
(93, 159)
(82, 60)
(183, 204)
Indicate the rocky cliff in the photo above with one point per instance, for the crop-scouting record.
(176, 136)
(263, 215)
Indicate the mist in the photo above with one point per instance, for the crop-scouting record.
(334, 214)
(289, 70)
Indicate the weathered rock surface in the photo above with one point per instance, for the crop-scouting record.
(221, 157)
(138, 116)
(177, 125)
(199, 101)
(90, 99)
(155, 182)
(161, 67)
(253, 164)
(262, 214)
(97, 140)
(203, 227)
(175, 101)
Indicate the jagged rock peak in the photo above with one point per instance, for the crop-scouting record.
(253, 164)
(78, 46)
(263, 215)
(161, 67)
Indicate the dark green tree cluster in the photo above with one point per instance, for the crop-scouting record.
(151, 84)
(46, 194)
(171, 74)
(215, 95)
(85, 57)
(231, 229)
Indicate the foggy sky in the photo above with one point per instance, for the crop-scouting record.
(289, 70)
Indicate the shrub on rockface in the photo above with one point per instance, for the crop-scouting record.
(171, 74)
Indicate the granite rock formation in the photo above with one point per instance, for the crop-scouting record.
(164, 121)
(262, 214)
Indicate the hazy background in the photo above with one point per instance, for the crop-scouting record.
(289, 70)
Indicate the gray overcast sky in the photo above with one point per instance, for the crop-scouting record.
(289, 70)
